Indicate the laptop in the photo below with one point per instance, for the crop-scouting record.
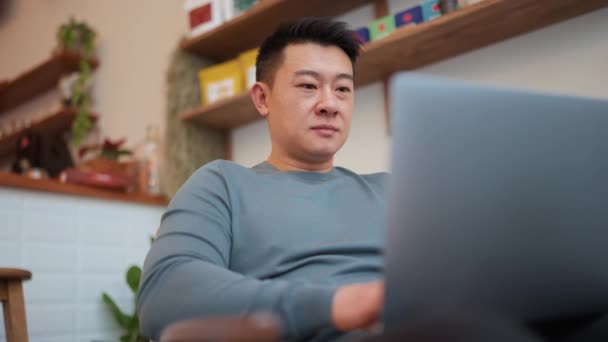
(498, 202)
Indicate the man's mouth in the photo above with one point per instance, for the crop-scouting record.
(325, 128)
(326, 131)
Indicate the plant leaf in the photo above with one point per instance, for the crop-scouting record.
(124, 153)
(122, 319)
(133, 277)
(125, 338)
(134, 324)
(135, 330)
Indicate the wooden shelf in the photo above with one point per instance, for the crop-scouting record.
(55, 123)
(248, 30)
(408, 48)
(225, 114)
(47, 185)
(471, 28)
(41, 78)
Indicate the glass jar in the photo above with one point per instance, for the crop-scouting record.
(148, 156)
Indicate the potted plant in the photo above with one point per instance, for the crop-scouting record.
(79, 37)
(106, 157)
(128, 322)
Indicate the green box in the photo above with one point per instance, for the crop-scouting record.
(382, 27)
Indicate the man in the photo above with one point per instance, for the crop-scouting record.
(293, 236)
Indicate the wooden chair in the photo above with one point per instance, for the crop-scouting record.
(11, 296)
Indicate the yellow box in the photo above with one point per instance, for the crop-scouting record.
(247, 60)
(221, 81)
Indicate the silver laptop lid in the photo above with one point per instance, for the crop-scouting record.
(499, 201)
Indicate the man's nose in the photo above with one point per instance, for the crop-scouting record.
(328, 104)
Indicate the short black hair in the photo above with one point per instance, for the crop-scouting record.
(322, 31)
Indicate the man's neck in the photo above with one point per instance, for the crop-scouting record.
(290, 164)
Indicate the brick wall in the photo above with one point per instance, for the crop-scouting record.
(76, 248)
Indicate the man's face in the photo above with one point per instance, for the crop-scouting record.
(310, 103)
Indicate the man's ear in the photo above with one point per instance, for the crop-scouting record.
(259, 96)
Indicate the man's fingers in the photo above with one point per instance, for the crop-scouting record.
(358, 305)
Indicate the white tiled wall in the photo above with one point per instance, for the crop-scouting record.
(76, 248)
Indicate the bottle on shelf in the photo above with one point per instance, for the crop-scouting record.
(148, 156)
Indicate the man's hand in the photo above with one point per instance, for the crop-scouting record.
(357, 306)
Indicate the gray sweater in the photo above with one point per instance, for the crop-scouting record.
(238, 240)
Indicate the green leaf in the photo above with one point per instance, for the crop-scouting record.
(122, 319)
(125, 338)
(109, 154)
(133, 277)
(124, 153)
(134, 324)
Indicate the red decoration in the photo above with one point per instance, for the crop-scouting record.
(200, 15)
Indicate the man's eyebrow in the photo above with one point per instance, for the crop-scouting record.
(307, 73)
(317, 75)
(347, 76)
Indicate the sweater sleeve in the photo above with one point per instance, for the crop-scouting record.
(186, 273)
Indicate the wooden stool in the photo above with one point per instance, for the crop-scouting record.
(11, 296)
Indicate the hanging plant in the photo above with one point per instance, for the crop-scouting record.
(79, 37)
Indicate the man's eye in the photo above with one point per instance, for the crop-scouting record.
(344, 89)
(308, 86)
